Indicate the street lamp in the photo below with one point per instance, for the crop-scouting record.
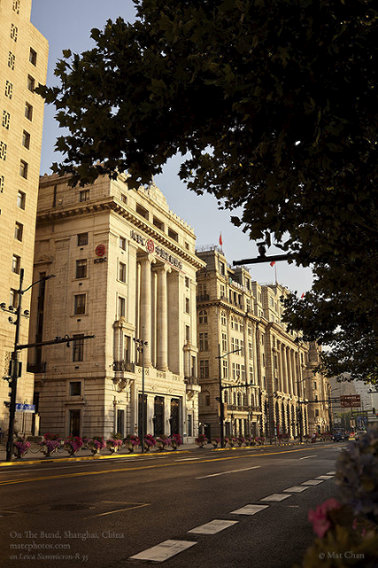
(221, 403)
(140, 345)
(15, 365)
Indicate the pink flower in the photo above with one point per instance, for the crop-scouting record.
(319, 518)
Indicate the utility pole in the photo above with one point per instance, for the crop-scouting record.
(140, 344)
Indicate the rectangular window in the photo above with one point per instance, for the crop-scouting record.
(82, 239)
(142, 211)
(225, 369)
(75, 387)
(11, 60)
(14, 32)
(79, 304)
(18, 230)
(187, 305)
(28, 111)
(3, 151)
(122, 272)
(173, 235)
(122, 243)
(31, 83)
(24, 169)
(26, 139)
(6, 119)
(204, 369)
(8, 89)
(187, 282)
(21, 199)
(159, 224)
(121, 307)
(16, 263)
(187, 333)
(224, 342)
(203, 342)
(250, 350)
(13, 298)
(123, 198)
(81, 268)
(222, 268)
(84, 195)
(78, 348)
(33, 56)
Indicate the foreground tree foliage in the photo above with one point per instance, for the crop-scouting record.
(274, 106)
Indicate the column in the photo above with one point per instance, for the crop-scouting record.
(285, 382)
(145, 306)
(162, 317)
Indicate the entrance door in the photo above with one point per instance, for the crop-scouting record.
(159, 416)
(140, 415)
(121, 422)
(74, 429)
(175, 416)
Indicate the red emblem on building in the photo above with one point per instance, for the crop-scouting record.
(150, 246)
(100, 250)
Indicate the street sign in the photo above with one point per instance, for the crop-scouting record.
(350, 401)
(25, 407)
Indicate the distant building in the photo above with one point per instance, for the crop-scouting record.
(23, 64)
(268, 387)
(125, 269)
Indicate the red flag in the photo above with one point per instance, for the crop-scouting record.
(272, 263)
(303, 295)
(220, 240)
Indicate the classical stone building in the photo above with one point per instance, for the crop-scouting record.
(265, 374)
(23, 64)
(125, 269)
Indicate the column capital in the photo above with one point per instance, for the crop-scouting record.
(146, 258)
(162, 267)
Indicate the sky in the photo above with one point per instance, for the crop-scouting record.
(66, 25)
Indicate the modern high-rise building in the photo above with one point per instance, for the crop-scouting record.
(23, 64)
(125, 270)
(266, 381)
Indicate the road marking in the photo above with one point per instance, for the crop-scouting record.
(331, 472)
(276, 497)
(228, 472)
(324, 477)
(213, 527)
(119, 510)
(187, 459)
(295, 489)
(163, 551)
(249, 510)
(306, 457)
(313, 482)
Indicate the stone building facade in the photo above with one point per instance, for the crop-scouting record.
(23, 64)
(265, 374)
(125, 268)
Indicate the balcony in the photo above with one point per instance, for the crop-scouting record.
(203, 298)
(124, 366)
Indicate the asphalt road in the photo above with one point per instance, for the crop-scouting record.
(108, 514)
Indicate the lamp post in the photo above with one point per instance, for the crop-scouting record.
(15, 365)
(140, 344)
(221, 403)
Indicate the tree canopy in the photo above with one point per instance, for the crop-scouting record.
(274, 106)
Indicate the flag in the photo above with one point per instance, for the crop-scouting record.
(220, 240)
(302, 296)
(272, 263)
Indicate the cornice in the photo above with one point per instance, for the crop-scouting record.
(110, 204)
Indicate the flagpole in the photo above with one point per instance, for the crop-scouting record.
(275, 273)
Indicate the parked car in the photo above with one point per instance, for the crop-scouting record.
(339, 436)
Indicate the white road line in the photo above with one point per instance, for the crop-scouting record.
(163, 551)
(249, 510)
(276, 497)
(228, 472)
(187, 459)
(313, 482)
(307, 457)
(331, 472)
(295, 489)
(213, 527)
(324, 477)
